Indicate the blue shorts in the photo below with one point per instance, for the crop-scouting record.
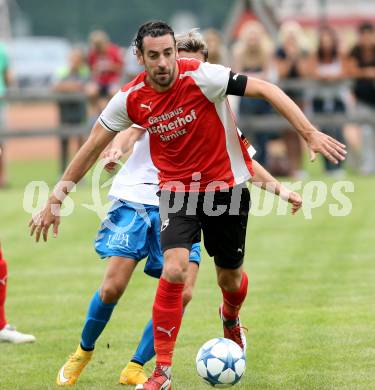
(132, 230)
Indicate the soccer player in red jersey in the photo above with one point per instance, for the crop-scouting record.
(8, 333)
(203, 167)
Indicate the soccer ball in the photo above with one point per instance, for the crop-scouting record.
(221, 362)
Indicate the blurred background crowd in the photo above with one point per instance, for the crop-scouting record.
(321, 53)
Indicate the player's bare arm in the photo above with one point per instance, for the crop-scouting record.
(122, 144)
(263, 179)
(317, 141)
(81, 163)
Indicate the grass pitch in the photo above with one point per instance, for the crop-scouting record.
(310, 309)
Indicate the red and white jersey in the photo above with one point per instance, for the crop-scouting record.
(192, 129)
(137, 181)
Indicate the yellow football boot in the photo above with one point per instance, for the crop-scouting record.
(72, 369)
(133, 374)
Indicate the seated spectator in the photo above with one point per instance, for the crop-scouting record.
(132, 68)
(361, 66)
(70, 79)
(292, 63)
(327, 67)
(252, 56)
(217, 52)
(106, 64)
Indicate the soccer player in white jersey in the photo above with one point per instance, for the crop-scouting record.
(202, 164)
(129, 233)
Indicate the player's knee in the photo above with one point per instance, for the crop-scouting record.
(229, 280)
(110, 292)
(175, 272)
(187, 295)
(176, 263)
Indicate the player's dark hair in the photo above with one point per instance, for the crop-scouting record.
(152, 28)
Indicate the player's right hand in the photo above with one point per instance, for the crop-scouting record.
(41, 222)
(112, 156)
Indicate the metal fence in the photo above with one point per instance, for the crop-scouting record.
(249, 123)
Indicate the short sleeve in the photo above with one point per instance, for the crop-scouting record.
(212, 79)
(115, 116)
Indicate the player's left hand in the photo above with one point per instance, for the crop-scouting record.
(330, 148)
(294, 198)
(41, 222)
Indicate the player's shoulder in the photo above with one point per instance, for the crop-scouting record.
(136, 83)
(188, 64)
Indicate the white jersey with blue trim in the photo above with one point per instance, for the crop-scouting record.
(137, 181)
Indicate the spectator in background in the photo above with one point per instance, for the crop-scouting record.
(106, 64)
(4, 83)
(217, 52)
(73, 78)
(252, 56)
(361, 66)
(132, 66)
(327, 67)
(292, 62)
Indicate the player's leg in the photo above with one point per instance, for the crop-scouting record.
(145, 350)
(167, 314)
(116, 278)
(133, 373)
(233, 284)
(8, 333)
(177, 235)
(118, 273)
(121, 239)
(3, 289)
(225, 237)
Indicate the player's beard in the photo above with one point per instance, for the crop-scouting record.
(163, 78)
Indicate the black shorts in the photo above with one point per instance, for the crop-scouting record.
(221, 215)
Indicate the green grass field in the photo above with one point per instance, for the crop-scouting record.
(310, 309)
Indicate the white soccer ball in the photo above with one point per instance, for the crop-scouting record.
(221, 362)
